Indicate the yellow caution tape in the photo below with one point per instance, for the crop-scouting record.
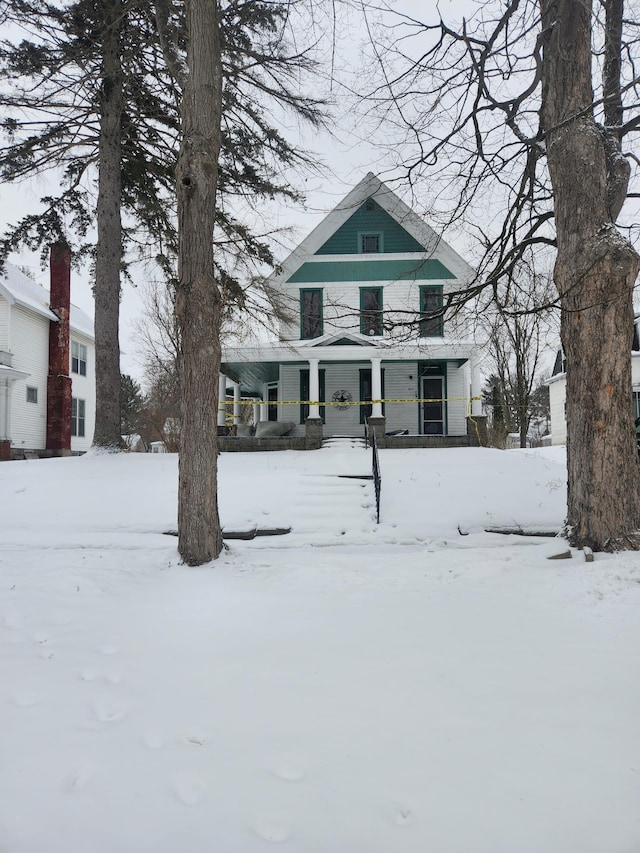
(229, 403)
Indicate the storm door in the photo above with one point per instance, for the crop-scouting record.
(433, 407)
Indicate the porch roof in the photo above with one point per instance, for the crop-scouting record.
(253, 366)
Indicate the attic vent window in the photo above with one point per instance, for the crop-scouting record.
(369, 204)
(369, 243)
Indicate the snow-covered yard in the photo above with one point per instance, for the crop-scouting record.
(347, 688)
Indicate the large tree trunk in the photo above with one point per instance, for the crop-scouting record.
(198, 302)
(109, 227)
(595, 272)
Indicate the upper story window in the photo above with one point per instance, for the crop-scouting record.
(431, 316)
(32, 394)
(311, 312)
(78, 358)
(371, 311)
(370, 243)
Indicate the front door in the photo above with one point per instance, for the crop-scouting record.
(433, 408)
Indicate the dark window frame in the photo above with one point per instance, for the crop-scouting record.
(78, 417)
(366, 242)
(431, 299)
(32, 394)
(371, 318)
(308, 328)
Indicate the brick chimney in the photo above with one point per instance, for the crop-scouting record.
(58, 380)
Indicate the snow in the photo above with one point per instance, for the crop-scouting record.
(32, 295)
(346, 687)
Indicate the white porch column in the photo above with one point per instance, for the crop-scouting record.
(264, 405)
(314, 387)
(222, 396)
(376, 387)
(476, 387)
(236, 403)
(256, 413)
(5, 409)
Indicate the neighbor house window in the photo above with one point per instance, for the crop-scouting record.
(32, 395)
(77, 417)
(78, 358)
(371, 310)
(370, 243)
(431, 318)
(311, 313)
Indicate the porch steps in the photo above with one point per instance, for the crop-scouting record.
(344, 442)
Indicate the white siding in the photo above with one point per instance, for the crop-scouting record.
(30, 347)
(5, 313)
(289, 389)
(401, 382)
(84, 388)
(341, 306)
(557, 396)
(457, 399)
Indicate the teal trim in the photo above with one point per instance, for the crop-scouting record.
(304, 394)
(314, 329)
(371, 319)
(430, 300)
(345, 241)
(411, 269)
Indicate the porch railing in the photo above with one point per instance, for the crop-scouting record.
(375, 470)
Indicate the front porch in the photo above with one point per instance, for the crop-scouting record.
(422, 395)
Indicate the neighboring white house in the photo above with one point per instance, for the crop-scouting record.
(558, 390)
(362, 290)
(26, 324)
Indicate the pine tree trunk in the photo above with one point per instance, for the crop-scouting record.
(595, 272)
(109, 227)
(198, 301)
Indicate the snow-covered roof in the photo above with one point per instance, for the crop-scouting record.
(18, 288)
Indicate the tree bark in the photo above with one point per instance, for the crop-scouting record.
(198, 301)
(595, 272)
(109, 227)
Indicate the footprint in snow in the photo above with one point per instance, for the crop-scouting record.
(109, 711)
(288, 770)
(195, 738)
(272, 829)
(188, 789)
(91, 674)
(79, 779)
(401, 815)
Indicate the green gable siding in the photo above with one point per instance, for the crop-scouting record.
(346, 240)
(370, 270)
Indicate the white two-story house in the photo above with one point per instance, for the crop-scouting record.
(367, 333)
(47, 360)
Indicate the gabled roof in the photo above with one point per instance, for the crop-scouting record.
(18, 288)
(371, 187)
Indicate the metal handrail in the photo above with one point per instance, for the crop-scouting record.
(375, 470)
